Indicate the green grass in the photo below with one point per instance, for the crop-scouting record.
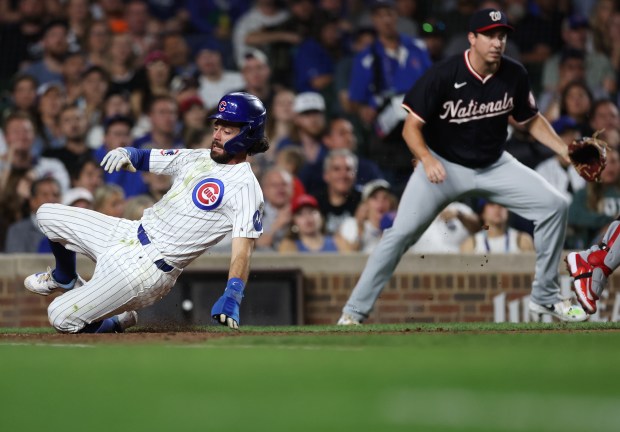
(449, 377)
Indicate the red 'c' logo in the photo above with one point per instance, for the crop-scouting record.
(222, 106)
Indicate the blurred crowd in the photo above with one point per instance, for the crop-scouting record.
(81, 77)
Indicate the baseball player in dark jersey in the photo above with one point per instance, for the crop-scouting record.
(457, 129)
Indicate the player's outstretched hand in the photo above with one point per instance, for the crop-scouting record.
(226, 309)
(117, 159)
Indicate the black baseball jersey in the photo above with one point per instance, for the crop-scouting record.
(466, 115)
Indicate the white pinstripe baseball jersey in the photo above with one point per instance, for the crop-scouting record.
(206, 201)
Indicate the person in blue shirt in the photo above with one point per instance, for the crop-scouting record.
(380, 76)
(117, 133)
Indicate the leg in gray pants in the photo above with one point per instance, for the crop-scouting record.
(506, 182)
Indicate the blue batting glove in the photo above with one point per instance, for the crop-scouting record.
(226, 309)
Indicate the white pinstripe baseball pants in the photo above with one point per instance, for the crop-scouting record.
(125, 277)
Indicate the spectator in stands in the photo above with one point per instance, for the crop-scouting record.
(277, 185)
(256, 74)
(95, 84)
(497, 236)
(137, 18)
(278, 129)
(448, 230)
(363, 231)
(339, 198)
(79, 20)
(280, 118)
(306, 233)
(115, 103)
(596, 205)
(97, 44)
(20, 159)
(309, 124)
(50, 100)
(361, 39)
(86, 174)
(110, 200)
(193, 117)
(78, 197)
(433, 35)
(73, 129)
(163, 116)
(576, 102)
(381, 75)
(315, 59)
(214, 80)
(23, 95)
(25, 236)
(55, 46)
(340, 135)
(559, 173)
(538, 34)
(20, 36)
(291, 160)
(251, 28)
(571, 68)
(605, 117)
(177, 51)
(121, 64)
(157, 83)
(135, 206)
(599, 72)
(113, 13)
(118, 134)
(72, 69)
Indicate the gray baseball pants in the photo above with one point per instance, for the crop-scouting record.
(507, 182)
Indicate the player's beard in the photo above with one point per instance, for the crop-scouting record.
(222, 158)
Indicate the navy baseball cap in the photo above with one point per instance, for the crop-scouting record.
(576, 22)
(488, 19)
(563, 124)
(377, 4)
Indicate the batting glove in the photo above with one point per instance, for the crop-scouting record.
(226, 309)
(117, 159)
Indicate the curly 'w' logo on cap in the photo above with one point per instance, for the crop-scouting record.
(495, 15)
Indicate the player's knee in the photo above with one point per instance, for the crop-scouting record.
(46, 213)
(63, 320)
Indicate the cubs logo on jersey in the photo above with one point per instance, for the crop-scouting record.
(170, 152)
(208, 193)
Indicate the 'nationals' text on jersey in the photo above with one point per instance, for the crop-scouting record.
(466, 115)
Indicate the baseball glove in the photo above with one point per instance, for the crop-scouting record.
(589, 156)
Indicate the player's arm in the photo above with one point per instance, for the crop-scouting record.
(126, 158)
(412, 133)
(153, 160)
(226, 309)
(540, 129)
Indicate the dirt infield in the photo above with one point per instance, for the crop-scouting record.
(189, 336)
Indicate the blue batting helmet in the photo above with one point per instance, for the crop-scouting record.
(246, 109)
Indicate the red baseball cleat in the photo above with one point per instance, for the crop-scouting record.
(581, 271)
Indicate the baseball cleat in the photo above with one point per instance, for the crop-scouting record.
(44, 283)
(126, 320)
(581, 272)
(348, 320)
(563, 310)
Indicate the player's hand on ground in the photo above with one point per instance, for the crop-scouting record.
(226, 312)
(226, 309)
(434, 170)
(117, 159)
